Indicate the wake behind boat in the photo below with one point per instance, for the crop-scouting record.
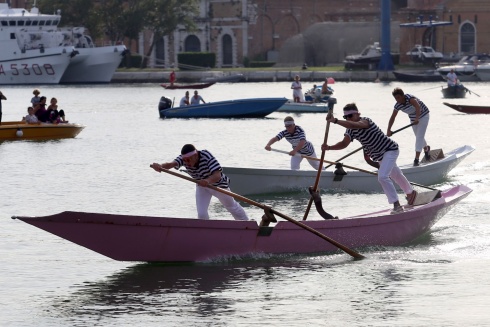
(18, 130)
(241, 108)
(262, 180)
(165, 239)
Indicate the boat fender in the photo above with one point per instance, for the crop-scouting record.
(19, 133)
(339, 169)
(339, 172)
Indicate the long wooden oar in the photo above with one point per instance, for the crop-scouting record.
(260, 205)
(349, 154)
(320, 167)
(430, 88)
(351, 167)
(471, 92)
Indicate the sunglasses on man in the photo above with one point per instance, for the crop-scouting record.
(348, 116)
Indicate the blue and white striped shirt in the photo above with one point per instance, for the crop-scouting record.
(206, 166)
(295, 138)
(374, 142)
(409, 109)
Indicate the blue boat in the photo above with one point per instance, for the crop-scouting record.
(241, 108)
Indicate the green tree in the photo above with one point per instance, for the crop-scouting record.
(75, 13)
(164, 16)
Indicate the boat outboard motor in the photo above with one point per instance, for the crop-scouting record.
(165, 103)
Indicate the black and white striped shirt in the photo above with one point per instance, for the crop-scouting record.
(206, 166)
(374, 142)
(295, 138)
(409, 109)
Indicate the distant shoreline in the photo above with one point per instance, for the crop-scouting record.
(253, 76)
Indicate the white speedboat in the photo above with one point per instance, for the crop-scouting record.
(302, 107)
(31, 52)
(248, 181)
(465, 69)
(92, 64)
(483, 72)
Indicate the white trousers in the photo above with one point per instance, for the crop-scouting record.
(296, 162)
(203, 199)
(419, 131)
(389, 172)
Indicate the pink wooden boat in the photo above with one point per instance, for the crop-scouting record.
(161, 239)
(467, 109)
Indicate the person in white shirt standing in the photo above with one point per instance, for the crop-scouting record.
(297, 90)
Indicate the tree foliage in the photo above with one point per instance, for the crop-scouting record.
(75, 13)
(164, 16)
(119, 19)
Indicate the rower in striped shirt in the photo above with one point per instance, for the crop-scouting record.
(379, 148)
(419, 116)
(203, 167)
(295, 135)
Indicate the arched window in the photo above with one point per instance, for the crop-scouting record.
(429, 38)
(160, 52)
(192, 44)
(467, 38)
(227, 50)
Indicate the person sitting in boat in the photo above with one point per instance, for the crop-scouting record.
(297, 90)
(379, 147)
(419, 116)
(326, 90)
(203, 167)
(196, 99)
(185, 100)
(30, 118)
(36, 98)
(295, 135)
(40, 110)
(55, 116)
(452, 78)
(453, 82)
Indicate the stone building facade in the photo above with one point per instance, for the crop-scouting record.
(241, 30)
(238, 30)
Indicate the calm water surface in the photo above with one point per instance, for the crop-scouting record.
(440, 280)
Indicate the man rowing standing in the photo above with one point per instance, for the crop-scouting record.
(419, 116)
(295, 135)
(203, 167)
(379, 147)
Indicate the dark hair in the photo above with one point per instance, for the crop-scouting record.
(187, 148)
(397, 91)
(350, 106)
